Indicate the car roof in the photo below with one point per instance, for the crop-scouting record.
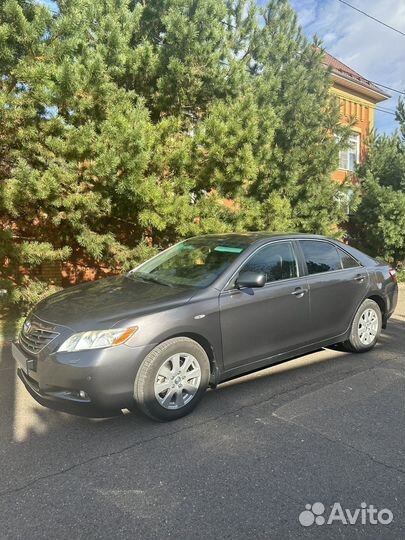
(248, 238)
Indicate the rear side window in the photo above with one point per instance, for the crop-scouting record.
(277, 261)
(347, 260)
(320, 256)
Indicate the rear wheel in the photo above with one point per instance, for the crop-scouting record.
(172, 379)
(366, 328)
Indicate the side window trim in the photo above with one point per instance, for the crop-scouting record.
(297, 257)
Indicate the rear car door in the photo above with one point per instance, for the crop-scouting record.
(262, 322)
(337, 285)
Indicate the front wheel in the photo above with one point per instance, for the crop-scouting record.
(366, 328)
(172, 379)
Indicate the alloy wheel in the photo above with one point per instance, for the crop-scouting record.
(177, 381)
(368, 326)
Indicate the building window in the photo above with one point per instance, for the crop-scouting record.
(349, 157)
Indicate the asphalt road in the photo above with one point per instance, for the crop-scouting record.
(325, 428)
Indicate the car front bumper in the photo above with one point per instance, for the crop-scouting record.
(85, 382)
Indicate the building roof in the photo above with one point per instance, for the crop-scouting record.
(342, 70)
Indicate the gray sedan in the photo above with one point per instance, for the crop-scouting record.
(206, 310)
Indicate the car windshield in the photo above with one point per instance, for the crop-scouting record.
(193, 263)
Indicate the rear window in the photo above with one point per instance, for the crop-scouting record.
(320, 256)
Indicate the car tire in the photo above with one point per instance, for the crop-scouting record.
(172, 379)
(366, 328)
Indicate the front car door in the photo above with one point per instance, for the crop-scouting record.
(263, 322)
(337, 285)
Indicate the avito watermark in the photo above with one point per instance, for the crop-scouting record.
(365, 514)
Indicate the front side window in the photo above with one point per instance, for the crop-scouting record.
(320, 256)
(350, 156)
(277, 261)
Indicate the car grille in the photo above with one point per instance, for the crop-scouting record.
(34, 336)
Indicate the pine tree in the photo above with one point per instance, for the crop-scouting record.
(378, 226)
(125, 125)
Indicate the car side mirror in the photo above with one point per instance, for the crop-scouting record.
(250, 280)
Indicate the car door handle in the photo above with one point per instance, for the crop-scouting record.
(359, 278)
(299, 292)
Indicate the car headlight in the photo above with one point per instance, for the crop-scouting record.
(96, 339)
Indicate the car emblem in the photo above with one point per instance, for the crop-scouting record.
(27, 327)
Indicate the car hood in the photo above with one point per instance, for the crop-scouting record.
(102, 303)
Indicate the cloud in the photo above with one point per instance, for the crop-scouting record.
(373, 50)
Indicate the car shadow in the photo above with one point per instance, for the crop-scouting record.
(23, 420)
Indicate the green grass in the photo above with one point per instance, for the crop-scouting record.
(11, 321)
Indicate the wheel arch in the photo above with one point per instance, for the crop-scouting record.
(208, 348)
(379, 300)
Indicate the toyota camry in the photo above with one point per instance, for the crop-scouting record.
(205, 310)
